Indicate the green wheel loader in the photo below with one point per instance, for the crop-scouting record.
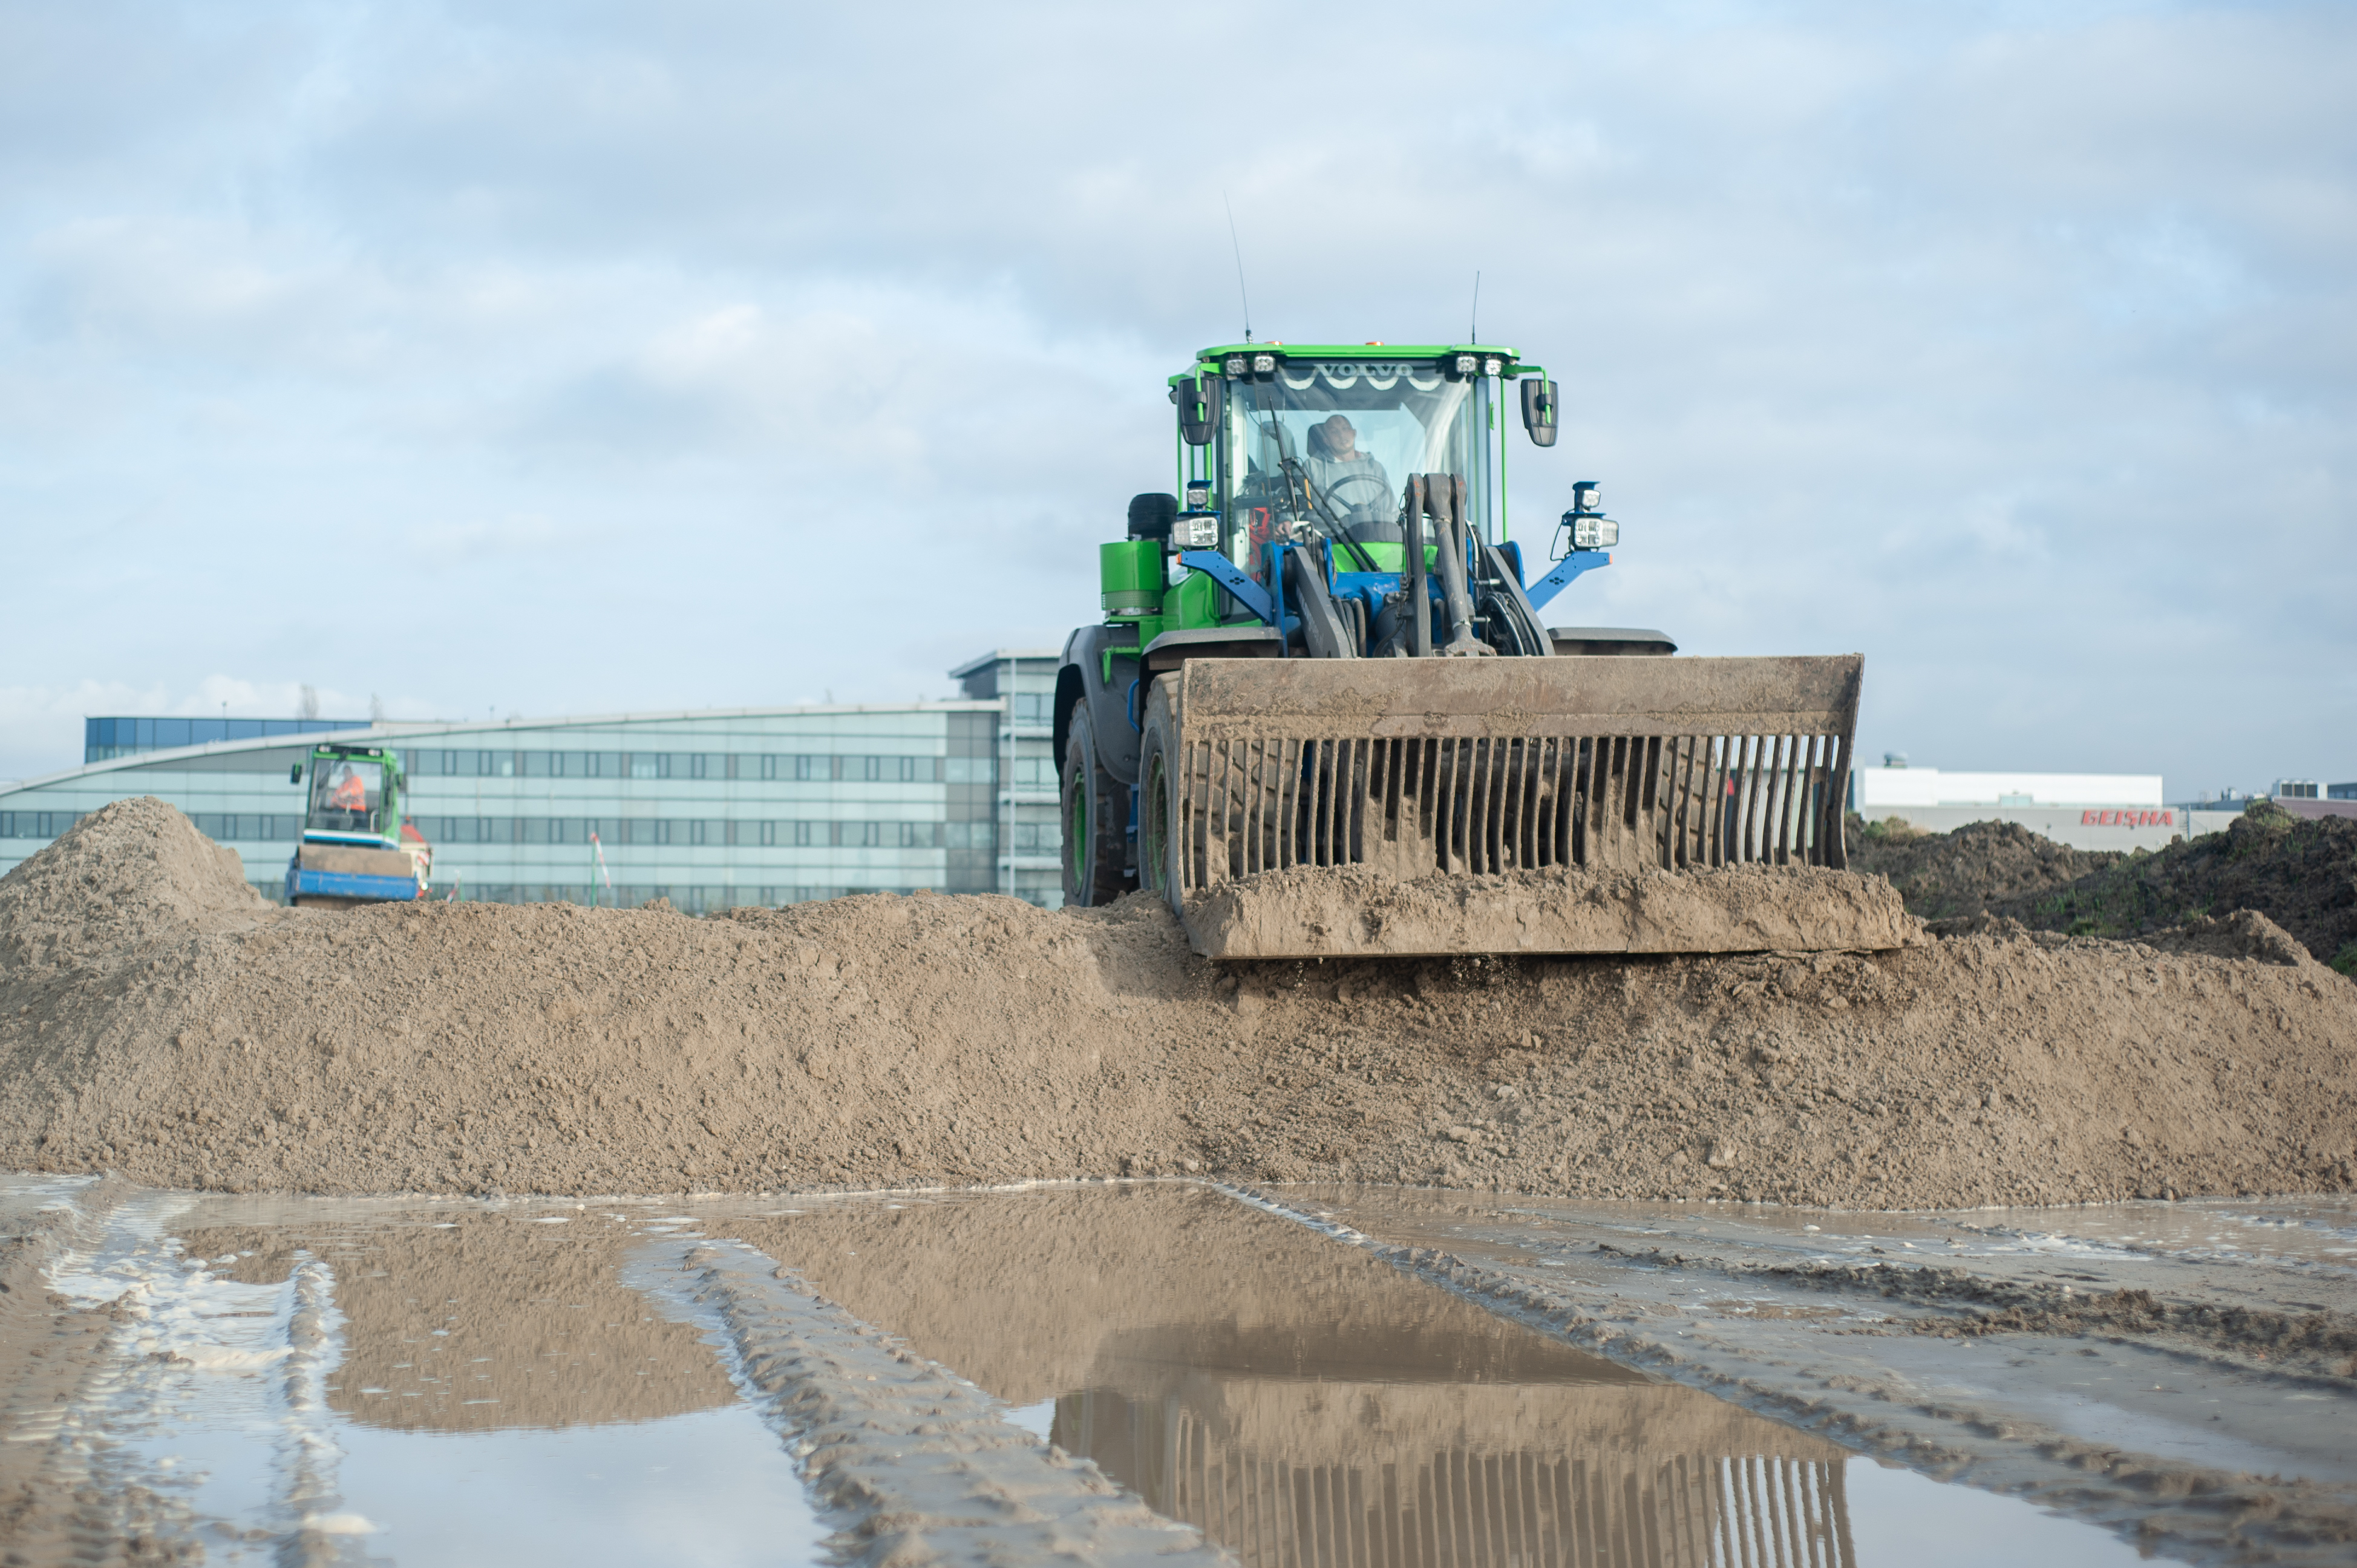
(1327, 670)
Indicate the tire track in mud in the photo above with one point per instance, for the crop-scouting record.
(132, 1314)
(2157, 1503)
(920, 1465)
(62, 1495)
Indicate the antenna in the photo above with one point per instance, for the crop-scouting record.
(1239, 247)
(1475, 328)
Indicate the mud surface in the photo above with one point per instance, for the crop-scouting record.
(309, 1395)
(2180, 1372)
(1350, 912)
(1055, 1374)
(158, 1020)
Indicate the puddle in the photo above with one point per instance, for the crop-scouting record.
(1301, 1401)
(330, 1381)
(457, 1383)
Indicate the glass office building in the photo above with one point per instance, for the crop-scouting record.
(1021, 683)
(103, 740)
(711, 810)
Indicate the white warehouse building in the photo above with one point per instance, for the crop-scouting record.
(2085, 811)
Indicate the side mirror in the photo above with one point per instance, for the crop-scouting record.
(1199, 400)
(1538, 410)
(294, 774)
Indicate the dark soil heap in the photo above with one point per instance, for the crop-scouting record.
(1978, 866)
(2299, 873)
(158, 1019)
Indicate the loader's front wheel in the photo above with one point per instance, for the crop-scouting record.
(1158, 816)
(1096, 820)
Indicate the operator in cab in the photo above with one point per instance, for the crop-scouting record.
(346, 790)
(1353, 486)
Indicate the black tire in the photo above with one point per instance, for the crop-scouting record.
(1095, 819)
(1157, 809)
(1511, 632)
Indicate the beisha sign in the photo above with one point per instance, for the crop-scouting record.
(2128, 819)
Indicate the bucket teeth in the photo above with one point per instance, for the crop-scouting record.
(1477, 767)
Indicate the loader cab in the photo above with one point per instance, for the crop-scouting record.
(354, 797)
(1318, 442)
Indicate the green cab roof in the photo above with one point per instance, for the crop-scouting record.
(1512, 357)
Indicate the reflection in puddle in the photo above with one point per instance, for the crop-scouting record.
(1301, 1403)
(468, 1319)
(1373, 1473)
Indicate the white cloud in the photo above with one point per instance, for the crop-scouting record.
(638, 359)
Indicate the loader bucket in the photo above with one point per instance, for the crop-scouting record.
(1328, 808)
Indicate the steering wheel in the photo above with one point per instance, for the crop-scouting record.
(1333, 496)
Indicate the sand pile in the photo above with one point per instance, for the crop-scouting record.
(212, 1041)
(1356, 912)
(137, 872)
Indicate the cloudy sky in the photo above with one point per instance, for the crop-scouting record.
(547, 359)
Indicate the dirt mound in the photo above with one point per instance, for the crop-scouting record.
(2299, 873)
(441, 1047)
(134, 870)
(1944, 875)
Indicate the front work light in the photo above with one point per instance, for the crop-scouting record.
(1235, 365)
(1465, 364)
(1199, 494)
(1263, 364)
(1589, 532)
(1492, 366)
(1195, 530)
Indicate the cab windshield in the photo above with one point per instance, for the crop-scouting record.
(347, 796)
(1324, 450)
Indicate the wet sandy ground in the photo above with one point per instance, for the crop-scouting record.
(1166, 1370)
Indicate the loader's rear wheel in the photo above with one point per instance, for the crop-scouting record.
(1157, 811)
(1096, 820)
